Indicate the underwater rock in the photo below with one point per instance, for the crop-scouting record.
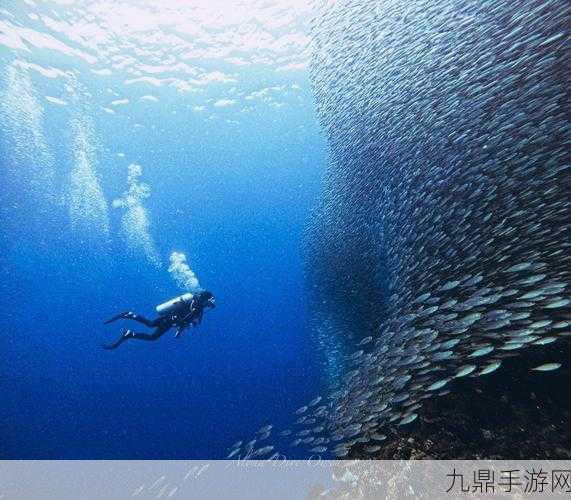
(486, 418)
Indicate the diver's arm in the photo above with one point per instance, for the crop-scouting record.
(193, 318)
(198, 318)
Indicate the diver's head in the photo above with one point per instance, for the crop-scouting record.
(207, 299)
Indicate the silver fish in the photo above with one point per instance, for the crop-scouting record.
(492, 367)
(547, 367)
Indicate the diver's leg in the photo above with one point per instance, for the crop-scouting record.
(134, 317)
(130, 334)
(124, 336)
(123, 315)
(147, 322)
(157, 333)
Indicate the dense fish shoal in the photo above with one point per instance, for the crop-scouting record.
(440, 252)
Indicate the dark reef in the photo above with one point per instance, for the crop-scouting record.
(509, 415)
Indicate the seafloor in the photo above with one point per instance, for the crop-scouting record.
(514, 413)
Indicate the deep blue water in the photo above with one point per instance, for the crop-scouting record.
(233, 197)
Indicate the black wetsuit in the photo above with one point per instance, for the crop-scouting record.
(191, 313)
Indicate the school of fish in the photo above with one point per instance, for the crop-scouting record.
(441, 246)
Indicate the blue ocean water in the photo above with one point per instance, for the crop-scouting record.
(216, 115)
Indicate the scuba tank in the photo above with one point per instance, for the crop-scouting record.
(173, 304)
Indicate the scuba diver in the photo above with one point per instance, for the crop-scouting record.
(180, 312)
